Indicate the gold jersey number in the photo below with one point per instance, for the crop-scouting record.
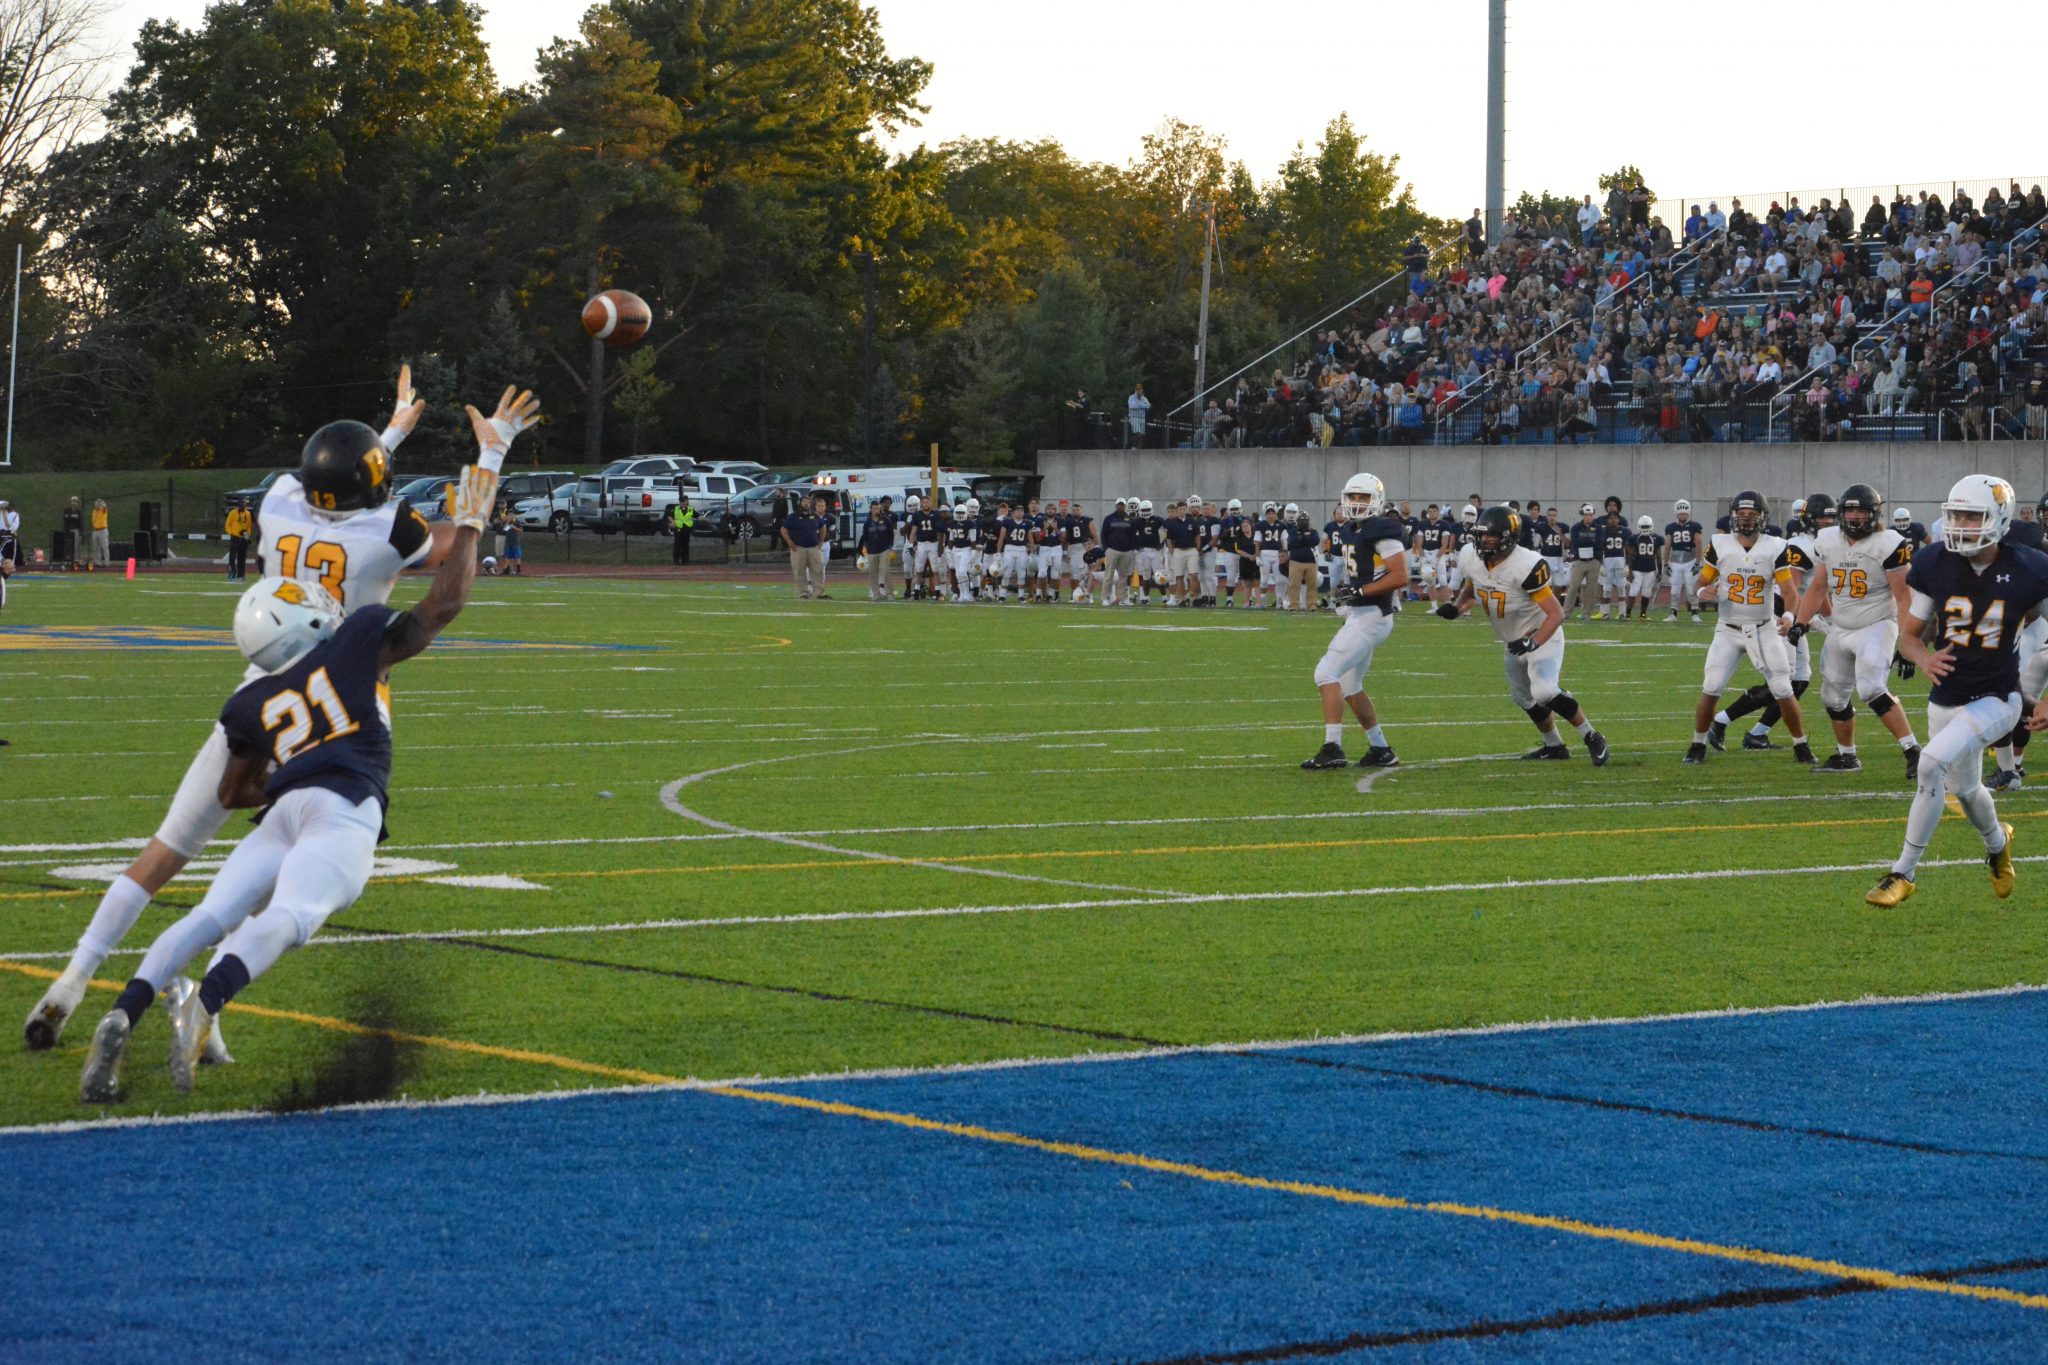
(1746, 590)
(1851, 583)
(323, 557)
(290, 714)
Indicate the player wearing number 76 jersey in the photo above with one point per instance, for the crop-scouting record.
(309, 741)
(1979, 595)
(331, 525)
(1744, 566)
(1511, 585)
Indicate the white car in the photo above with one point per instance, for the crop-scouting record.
(549, 512)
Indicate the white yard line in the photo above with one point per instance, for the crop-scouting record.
(1140, 1054)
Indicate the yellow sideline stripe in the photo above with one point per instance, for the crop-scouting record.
(1718, 1251)
(508, 1054)
(1884, 1279)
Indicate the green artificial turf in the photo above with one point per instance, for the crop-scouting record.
(1115, 792)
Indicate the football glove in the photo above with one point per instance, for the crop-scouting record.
(1797, 633)
(1902, 666)
(476, 494)
(494, 434)
(1347, 596)
(1525, 645)
(405, 415)
(1447, 610)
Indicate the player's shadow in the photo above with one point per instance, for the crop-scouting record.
(356, 1068)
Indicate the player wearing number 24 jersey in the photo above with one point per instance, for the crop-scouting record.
(331, 525)
(1510, 584)
(310, 742)
(1978, 594)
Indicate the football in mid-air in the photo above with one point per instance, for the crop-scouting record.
(617, 317)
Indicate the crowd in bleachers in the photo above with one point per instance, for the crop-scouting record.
(1790, 323)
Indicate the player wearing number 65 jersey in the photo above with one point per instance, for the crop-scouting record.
(331, 525)
(1366, 584)
(1978, 594)
(309, 742)
(1511, 585)
(1744, 565)
(1859, 571)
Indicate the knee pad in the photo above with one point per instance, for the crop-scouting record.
(1563, 704)
(1881, 704)
(1540, 714)
(1841, 713)
(1782, 690)
(1799, 686)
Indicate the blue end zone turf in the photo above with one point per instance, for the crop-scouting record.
(677, 1225)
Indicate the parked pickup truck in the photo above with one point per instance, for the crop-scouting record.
(643, 502)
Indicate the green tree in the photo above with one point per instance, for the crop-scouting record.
(638, 392)
(1545, 207)
(984, 389)
(1343, 216)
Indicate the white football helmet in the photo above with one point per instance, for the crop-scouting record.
(1682, 506)
(1799, 507)
(1269, 507)
(1987, 501)
(1363, 496)
(959, 511)
(1234, 506)
(912, 503)
(1469, 515)
(1902, 518)
(279, 620)
(973, 506)
(1145, 506)
(1290, 511)
(1645, 524)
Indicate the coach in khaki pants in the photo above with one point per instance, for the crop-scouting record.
(1582, 550)
(803, 532)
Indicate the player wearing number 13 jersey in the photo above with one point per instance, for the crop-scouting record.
(1748, 565)
(1510, 584)
(331, 525)
(1979, 594)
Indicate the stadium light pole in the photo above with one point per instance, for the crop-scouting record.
(1496, 116)
(1202, 326)
(13, 353)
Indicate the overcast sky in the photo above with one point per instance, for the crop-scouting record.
(1779, 99)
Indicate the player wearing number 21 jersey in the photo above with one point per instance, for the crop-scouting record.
(1747, 565)
(1978, 594)
(334, 525)
(1510, 585)
(310, 743)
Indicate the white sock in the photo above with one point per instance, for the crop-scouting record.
(1552, 739)
(2006, 762)
(1908, 743)
(1721, 718)
(121, 905)
(1333, 734)
(1846, 750)
(1376, 737)
(1699, 736)
(1582, 725)
(1760, 729)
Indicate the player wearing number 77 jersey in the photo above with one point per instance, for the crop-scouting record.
(310, 742)
(331, 525)
(1743, 566)
(1979, 594)
(1511, 584)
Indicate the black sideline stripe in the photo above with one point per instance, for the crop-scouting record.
(1584, 1317)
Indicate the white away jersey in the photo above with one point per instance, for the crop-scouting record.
(1747, 576)
(358, 560)
(1859, 591)
(1511, 592)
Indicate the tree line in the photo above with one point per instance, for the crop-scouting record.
(279, 202)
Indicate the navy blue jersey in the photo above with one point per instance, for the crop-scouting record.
(1550, 539)
(1335, 525)
(1978, 614)
(1180, 533)
(1447, 531)
(1271, 535)
(926, 527)
(1684, 539)
(1465, 536)
(1431, 535)
(2025, 534)
(1531, 535)
(1642, 551)
(1151, 531)
(1915, 534)
(878, 532)
(1412, 526)
(1080, 530)
(1613, 542)
(991, 532)
(323, 721)
(1362, 554)
(962, 535)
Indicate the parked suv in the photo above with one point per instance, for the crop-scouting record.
(517, 488)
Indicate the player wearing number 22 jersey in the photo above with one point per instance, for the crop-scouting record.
(333, 525)
(1749, 565)
(1510, 585)
(1978, 594)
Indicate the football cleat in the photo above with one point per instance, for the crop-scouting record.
(190, 1025)
(1548, 751)
(1756, 741)
(1913, 764)
(1841, 763)
(1379, 758)
(1329, 756)
(1802, 752)
(1696, 753)
(1891, 889)
(2002, 875)
(46, 1021)
(100, 1082)
(1717, 735)
(1696, 618)
(2004, 780)
(1596, 747)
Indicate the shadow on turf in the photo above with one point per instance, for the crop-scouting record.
(355, 1068)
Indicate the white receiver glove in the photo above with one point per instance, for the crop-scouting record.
(517, 410)
(476, 497)
(405, 415)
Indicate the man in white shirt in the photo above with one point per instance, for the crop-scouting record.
(1137, 405)
(1770, 372)
(10, 532)
(1589, 219)
(1775, 269)
(1821, 356)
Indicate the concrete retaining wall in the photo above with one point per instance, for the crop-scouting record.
(1915, 475)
